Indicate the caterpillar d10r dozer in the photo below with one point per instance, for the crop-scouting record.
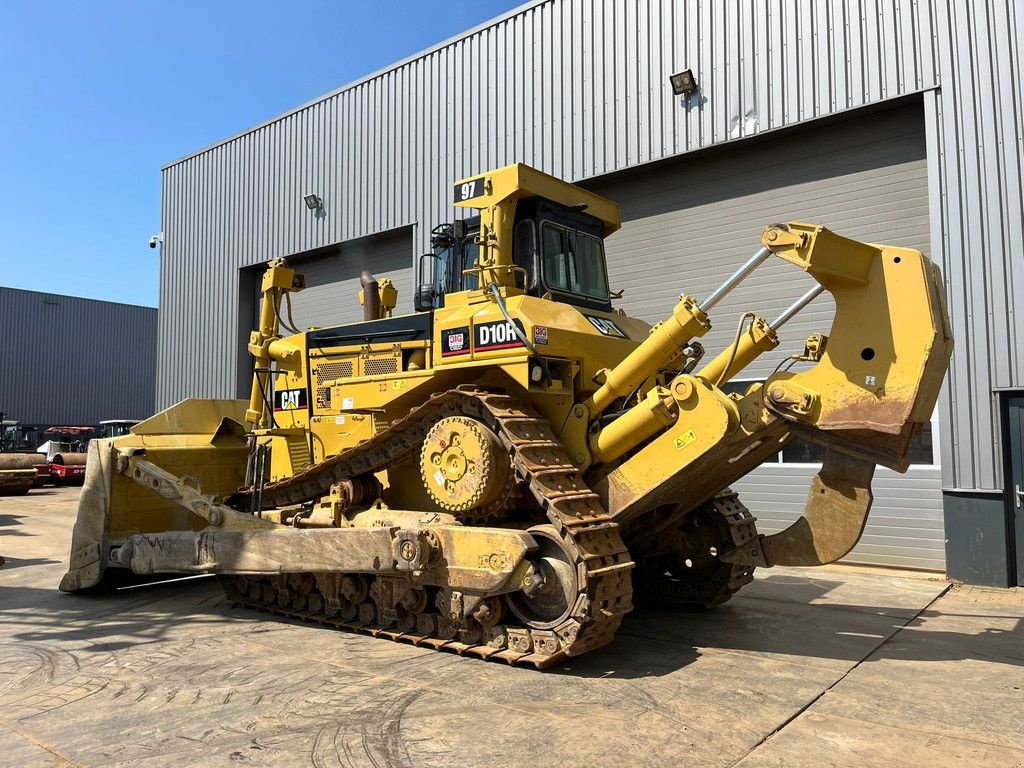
(501, 472)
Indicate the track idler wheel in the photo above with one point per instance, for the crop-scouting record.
(549, 598)
(466, 469)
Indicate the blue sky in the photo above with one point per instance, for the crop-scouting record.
(96, 96)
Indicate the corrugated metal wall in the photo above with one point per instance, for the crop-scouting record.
(74, 361)
(975, 124)
(690, 221)
(578, 88)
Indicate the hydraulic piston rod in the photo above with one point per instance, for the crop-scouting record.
(796, 307)
(657, 411)
(758, 338)
(663, 344)
(735, 279)
(667, 338)
(264, 344)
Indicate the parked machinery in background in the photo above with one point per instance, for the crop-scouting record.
(500, 473)
(64, 450)
(21, 467)
(116, 427)
(57, 454)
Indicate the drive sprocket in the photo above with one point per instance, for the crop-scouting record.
(466, 470)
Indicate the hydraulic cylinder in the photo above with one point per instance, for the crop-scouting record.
(655, 412)
(663, 344)
(757, 339)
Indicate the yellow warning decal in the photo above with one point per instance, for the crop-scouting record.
(685, 439)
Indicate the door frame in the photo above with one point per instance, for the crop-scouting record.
(1013, 440)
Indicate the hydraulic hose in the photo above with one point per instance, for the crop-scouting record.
(735, 345)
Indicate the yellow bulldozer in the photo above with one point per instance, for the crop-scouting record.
(503, 471)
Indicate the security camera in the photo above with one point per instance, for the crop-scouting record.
(156, 239)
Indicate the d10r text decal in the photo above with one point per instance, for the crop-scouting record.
(497, 335)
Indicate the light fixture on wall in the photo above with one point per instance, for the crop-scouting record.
(683, 83)
(313, 202)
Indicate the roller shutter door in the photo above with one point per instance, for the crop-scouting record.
(690, 222)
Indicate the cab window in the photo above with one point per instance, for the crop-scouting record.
(573, 262)
(470, 256)
(441, 266)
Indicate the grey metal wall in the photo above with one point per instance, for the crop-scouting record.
(578, 88)
(74, 361)
(976, 154)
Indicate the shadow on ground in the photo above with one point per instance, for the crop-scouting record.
(10, 563)
(134, 616)
(14, 521)
(652, 641)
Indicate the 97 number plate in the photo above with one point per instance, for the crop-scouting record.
(467, 190)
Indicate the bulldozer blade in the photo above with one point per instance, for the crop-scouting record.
(832, 523)
(199, 439)
(85, 567)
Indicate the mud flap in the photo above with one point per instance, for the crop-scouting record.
(89, 537)
(833, 521)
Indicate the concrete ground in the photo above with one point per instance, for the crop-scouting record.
(803, 668)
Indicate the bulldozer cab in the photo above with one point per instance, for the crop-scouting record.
(557, 250)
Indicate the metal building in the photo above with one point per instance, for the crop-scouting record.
(887, 120)
(75, 362)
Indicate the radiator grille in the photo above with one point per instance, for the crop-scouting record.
(376, 366)
(342, 369)
(323, 397)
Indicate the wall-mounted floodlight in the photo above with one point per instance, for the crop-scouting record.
(313, 202)
(683, 83)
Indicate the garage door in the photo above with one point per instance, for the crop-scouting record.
(690, 222)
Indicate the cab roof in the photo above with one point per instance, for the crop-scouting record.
(521, 182)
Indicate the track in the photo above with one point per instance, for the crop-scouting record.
(707, 582)
(574, 519)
